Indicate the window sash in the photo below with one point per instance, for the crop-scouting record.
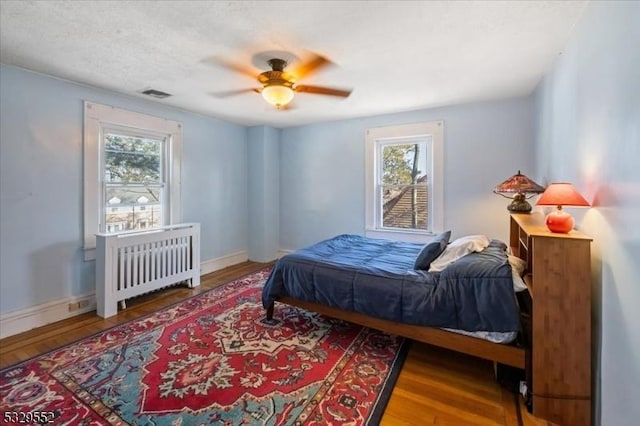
(404, 214)
(160, 184)
(161, 154)
(425, 141)
(132, 212)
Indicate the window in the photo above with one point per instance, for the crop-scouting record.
(404, 181)
(134, 178)
(131, 173)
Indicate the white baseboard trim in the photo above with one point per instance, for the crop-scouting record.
(37, 316)
(212, 265)
(283, 252)
(45, 313)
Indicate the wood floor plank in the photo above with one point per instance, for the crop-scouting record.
(490, 408)
(442, 386)
(436, 386)
(406, 411)
(511, 409)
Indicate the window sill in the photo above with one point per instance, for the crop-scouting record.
(394, 234)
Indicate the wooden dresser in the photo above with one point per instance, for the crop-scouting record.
(559, 281)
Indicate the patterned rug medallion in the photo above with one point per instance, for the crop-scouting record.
(211, 360)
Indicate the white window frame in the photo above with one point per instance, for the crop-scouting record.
(430, 132)
(99, 118)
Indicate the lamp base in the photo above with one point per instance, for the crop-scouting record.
(560, 222)
(519, 204)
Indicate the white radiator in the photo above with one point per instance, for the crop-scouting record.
(132, 263)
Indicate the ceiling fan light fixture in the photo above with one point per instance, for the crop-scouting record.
(277, 95)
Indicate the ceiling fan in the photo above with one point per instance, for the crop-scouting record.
(279, 86)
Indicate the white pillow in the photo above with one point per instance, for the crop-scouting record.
(518, 282)
(518, 265)
(459, 248)
(517, 268)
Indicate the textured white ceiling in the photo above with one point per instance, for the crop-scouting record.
(395, 55)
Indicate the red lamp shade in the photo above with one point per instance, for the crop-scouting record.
(561, 194)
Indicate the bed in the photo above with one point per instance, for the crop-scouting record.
(375, 282)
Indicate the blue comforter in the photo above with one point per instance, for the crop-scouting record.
(376, 277)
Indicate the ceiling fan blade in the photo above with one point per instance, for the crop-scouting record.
(228, 93)
(318, 90)
(310, 66)
(235, 67)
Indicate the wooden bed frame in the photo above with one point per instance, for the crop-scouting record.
(555, 312)
(504, 354)
(508, 354)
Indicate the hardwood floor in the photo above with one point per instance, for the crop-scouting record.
(435, 386)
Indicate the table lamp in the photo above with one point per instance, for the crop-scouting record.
(561, 194)
(520, 186)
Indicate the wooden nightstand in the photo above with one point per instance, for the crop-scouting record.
(559, 281)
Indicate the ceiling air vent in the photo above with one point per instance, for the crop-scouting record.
(155, 93)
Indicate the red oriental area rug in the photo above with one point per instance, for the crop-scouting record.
(212, 360)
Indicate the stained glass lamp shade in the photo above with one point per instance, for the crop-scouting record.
(518, 188)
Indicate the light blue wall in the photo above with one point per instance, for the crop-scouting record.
(287, 188)
(322, 170)
(264, 190)
(41, 218)
(588, 133)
